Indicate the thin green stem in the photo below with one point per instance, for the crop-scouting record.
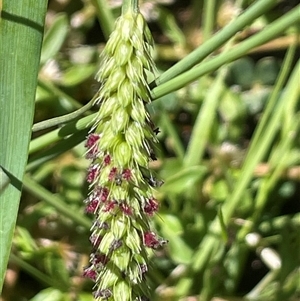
(206, 117)
(62, 119)
(268, 278)
(208, 18)
(241, 49)
(130, 5)
(286, 67)
(105, 17)
(252, 13)
(251, 161)
(58, 134)
(282, 152)
(55, 201)
(204, 121)
(171, 132)
(265, 140)
(36, 273)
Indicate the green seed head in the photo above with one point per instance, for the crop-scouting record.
(120, 148)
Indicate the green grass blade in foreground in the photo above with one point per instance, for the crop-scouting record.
(21, 33)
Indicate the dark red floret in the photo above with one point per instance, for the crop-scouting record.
(100, 225)
(92, 153)
(90, 273)
(116, 244)
(92, 206)
(112, 173)
(93, 172)
(150, 240)
(107, 160)
(99, 193)
(91, 140)
(91, 145)
(126, 174)
(100, 259)
(104, 225)
(104, 194)
(144, 268)
(110, 206)
(126, 209)
(151, 206)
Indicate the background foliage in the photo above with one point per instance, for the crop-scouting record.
(229, 151)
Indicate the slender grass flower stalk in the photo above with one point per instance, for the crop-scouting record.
(120, 148)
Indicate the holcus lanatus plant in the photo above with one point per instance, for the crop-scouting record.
(120, 147)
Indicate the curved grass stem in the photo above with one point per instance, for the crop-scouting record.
(62, 119)
(251, 161)
(278, 26)
(252, 13)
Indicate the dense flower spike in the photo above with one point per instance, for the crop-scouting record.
(120, 148)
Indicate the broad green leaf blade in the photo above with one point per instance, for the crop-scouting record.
(55, 37)
(21, 32)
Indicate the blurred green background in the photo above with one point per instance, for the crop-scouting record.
(228, 154)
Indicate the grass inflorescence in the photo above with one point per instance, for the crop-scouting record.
(120, 147)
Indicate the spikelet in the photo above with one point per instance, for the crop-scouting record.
(120, 148)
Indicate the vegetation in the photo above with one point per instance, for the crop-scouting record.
(226, 99)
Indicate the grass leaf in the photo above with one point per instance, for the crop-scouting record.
(55, 37)
(21, 32)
